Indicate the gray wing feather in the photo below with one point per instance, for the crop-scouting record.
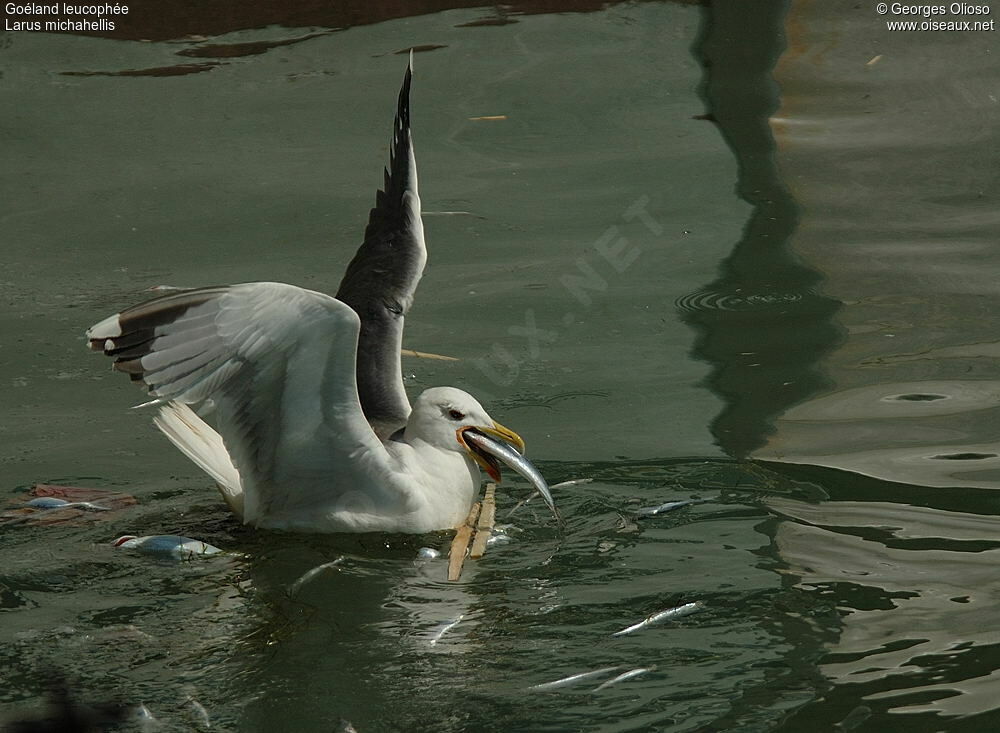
(278, 363)
(380, 281)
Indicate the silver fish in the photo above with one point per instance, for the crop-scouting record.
(144, 718)
(652, 511)
(667, 615)
(166, 545)
(308, 575)
(631, 674)
(574, 678)
(444, 628)
(197, 714)
(515, 460)
(428, 553)
(54, 502)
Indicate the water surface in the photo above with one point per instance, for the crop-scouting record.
(794, 329)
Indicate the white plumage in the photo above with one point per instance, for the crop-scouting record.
(296, 445)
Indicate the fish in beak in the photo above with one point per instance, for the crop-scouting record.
(489, 446)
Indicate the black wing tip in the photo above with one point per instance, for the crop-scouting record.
(403, 107)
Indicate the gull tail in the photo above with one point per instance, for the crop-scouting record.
(202, 444)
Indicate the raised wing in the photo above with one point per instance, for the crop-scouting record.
(381, 279)
(277, 363)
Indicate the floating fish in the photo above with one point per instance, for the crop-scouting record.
(53, 502)
(573, 679)
(428, 553)
(166, 545)
(667, 615)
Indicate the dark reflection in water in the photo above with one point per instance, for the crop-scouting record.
(149, 20)
(759, 323)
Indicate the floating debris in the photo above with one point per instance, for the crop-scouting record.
(460, 544)
(484, 526)
(166, 545)
(574, 679)
(667, 615)
(631, 674)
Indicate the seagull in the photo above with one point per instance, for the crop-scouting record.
(313, 430)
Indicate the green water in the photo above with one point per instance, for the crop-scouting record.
(784, 309)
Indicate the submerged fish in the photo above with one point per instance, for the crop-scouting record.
(444, 628)
(312, 573)
(631, 674)
(574, 678)
(488, 450)
(667, 615)
(652, 511)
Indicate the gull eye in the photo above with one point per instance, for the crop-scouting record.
(456, 415)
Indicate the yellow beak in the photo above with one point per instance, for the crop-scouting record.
(505, 434)
(487, 463)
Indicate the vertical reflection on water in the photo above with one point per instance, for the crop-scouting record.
(759, 323)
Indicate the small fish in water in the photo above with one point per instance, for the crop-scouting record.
(428, 553)
(197, 714)
(310, 574)
(652, 511)
(166, 545)
(144, 718)
(53, 502)
(657, 618)
(500, 535)
(631, 674)
(444, 628)
(574, 678)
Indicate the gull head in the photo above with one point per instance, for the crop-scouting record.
(450, 419)
(442, 415)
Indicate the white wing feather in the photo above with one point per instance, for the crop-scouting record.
(278, 363)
